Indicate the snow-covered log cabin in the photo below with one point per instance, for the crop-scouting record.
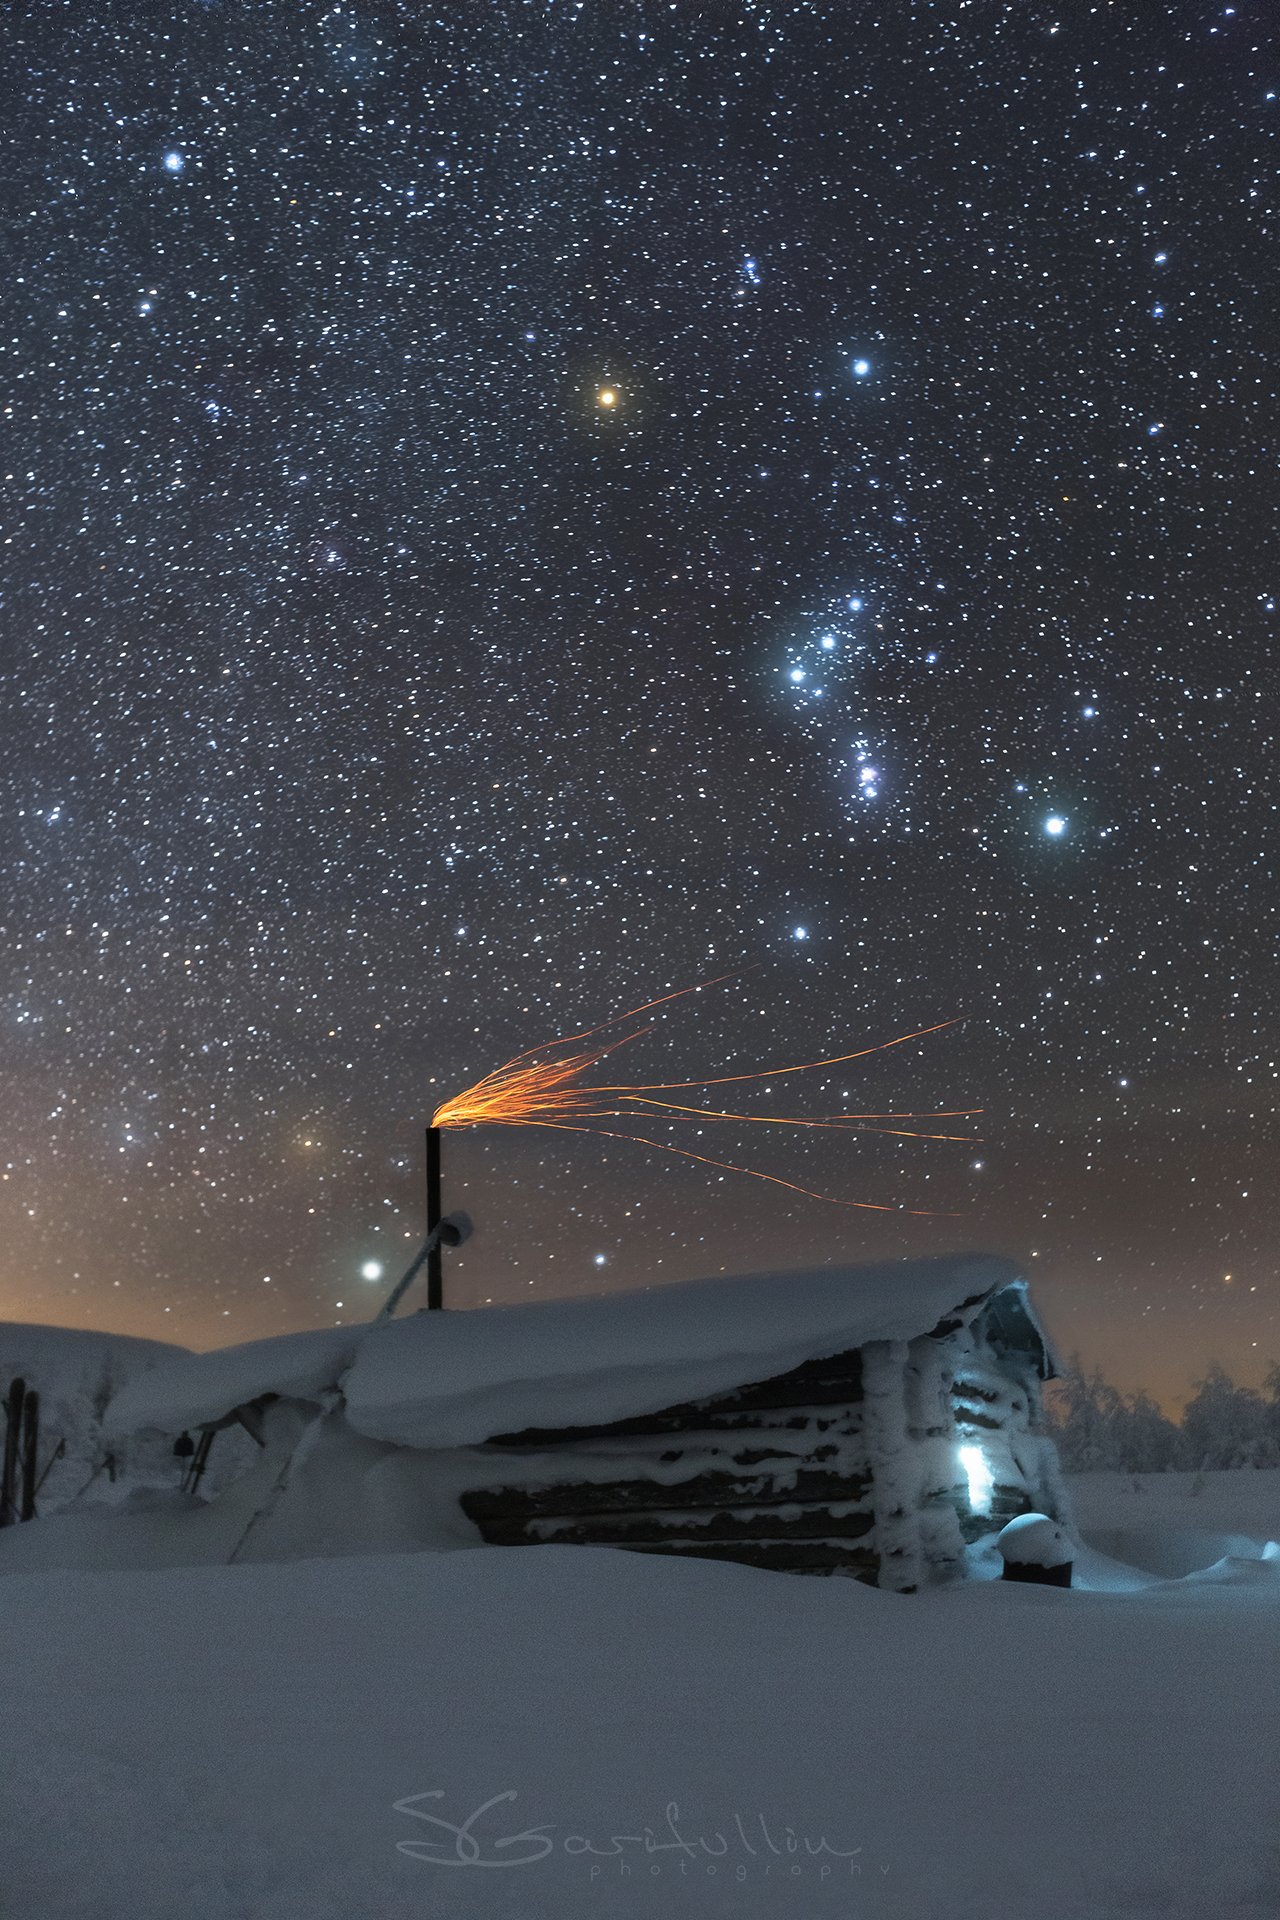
(864, 1422)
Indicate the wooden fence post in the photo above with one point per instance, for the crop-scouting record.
(30, 1441)
(8, 1475)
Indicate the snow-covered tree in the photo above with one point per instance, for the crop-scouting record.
(1082, 1413)
(1100, 1430)
(1224, 1425)
(1147, 1441)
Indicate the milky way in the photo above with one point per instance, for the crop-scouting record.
(509, 512)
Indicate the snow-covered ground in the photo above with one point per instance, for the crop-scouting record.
(1173, 1523)
(579, 1734)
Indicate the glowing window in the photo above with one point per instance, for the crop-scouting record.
(978, 1472)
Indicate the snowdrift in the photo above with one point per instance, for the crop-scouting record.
(579, 1734)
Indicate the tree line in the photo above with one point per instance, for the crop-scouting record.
(1099, 1429)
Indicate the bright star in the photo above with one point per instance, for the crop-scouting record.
(371, 1270)
(861, 368)
(1055, 825)
(607, 397)
(599, 1259)
(799, 933)
(174, 162)
(828, 642)
(855, 605)
(797, 675)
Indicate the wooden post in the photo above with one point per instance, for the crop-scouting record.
(198, 1461)
(30, 1442)
(435, 1268)
(8, 1476)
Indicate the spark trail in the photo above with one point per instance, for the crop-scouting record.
(545, 1086)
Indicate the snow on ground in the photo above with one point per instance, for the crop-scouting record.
(581, 1734)
(1171, 1523)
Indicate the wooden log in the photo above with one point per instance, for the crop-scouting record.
(702, 1490)
(608, 1461)
(965, 1387)
(692, 1525)
(30, 1448)
(783, 1556)
(832, 1382)
(989, 1423)
(12, 1437)
(1006, 1504)
(777, 1449)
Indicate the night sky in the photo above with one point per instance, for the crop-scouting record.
(513, 508)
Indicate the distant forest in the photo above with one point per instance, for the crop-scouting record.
(1099, 1429)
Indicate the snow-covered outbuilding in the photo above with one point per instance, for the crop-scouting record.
(867, 1422)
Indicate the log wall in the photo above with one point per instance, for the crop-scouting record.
(846, 1465)
(773, 1474)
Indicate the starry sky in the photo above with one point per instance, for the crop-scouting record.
(512, 509)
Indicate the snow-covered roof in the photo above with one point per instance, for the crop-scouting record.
(200, 1388)
(456, 1379)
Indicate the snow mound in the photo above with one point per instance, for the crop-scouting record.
(1173, 1524)
(1034, 1540)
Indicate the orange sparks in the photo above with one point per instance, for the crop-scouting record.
(544, 1087)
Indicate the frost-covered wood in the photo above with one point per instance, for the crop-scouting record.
(928, 1383)
(893, 1464)
(773, 1473)
(851, 1463)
